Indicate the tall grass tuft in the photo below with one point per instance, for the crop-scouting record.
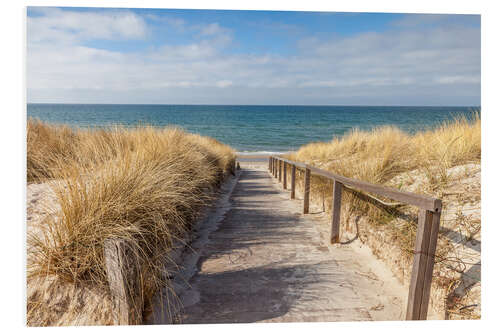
(143, 185)
(379, 155)
(419, 163)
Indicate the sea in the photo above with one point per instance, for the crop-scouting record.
(253, 129)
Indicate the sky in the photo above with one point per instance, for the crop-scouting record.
(162, 56)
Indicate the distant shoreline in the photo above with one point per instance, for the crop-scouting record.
(257, 156)
(313, 105)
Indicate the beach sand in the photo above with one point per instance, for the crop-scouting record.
(256, 159)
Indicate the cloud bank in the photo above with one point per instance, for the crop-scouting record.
(421, 60)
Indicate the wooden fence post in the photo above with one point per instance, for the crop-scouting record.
(307, 185)
(423, 264)
(433, 237)
(336, 208)
(123, 273)
(284, 175)
(269, 164)
(280, 170)
(292, 194)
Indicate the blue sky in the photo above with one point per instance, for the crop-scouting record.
(102, 55)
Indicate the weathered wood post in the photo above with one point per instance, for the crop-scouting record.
(336, 208)
(275, 168)
(123, 273)
(423, 263)
(284, 175)
(269, 164)
(272, 165)
(307, 185)
(292, 176)
(280, 174)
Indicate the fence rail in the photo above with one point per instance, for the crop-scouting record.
(427, 230)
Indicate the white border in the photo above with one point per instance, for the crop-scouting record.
(13, 88)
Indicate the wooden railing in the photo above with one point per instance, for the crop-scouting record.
(427, 230)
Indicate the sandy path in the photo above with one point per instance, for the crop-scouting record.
(40, 202)
(267, 262)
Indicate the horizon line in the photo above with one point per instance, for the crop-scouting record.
(202, 104)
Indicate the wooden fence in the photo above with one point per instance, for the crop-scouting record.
(427, 230)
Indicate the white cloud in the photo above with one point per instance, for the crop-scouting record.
(58, 25)
(212, 29)
(458, 79)
(224, 83)
(202, 50)
(431, 66)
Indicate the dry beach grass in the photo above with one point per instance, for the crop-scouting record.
(144, 185)
(444, 163)
(385, 152)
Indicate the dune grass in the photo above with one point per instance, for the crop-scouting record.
(379, 155)
(143, 185)
(388, 155)
(418, 163)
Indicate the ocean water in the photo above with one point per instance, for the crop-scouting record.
(252, 128)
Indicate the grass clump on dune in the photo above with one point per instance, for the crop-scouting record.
(379, 155)
(387, 156)
(432, 162)
(143, 185)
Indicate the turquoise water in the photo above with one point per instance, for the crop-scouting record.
(252, 128)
